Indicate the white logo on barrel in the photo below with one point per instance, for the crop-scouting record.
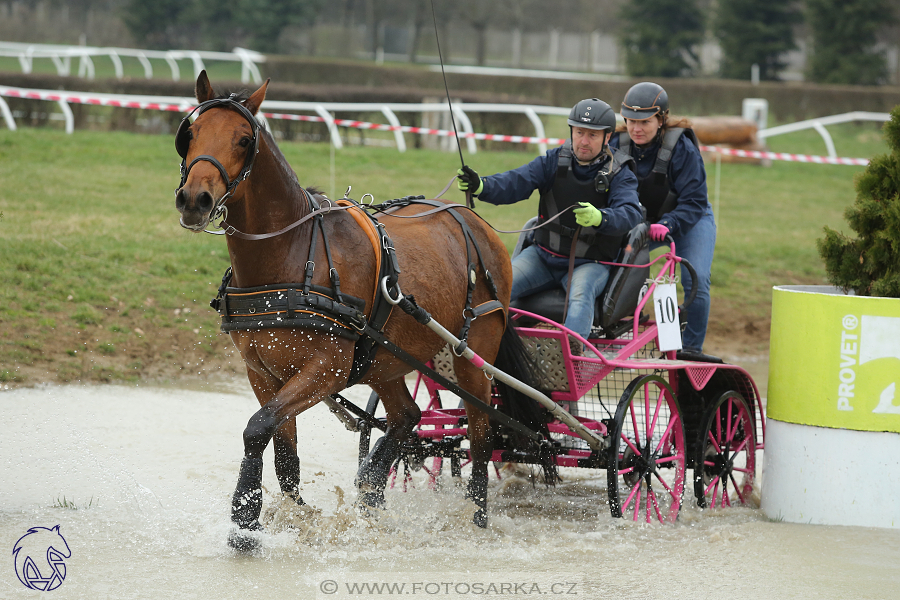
(877, 338)
(881, 339)
(847, 374)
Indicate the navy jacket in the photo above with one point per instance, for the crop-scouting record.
(687, 178)
(623, 210)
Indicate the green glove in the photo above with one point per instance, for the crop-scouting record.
(588, 215)
(468, 179)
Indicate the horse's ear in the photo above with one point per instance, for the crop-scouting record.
(256, 99)
(204, 90)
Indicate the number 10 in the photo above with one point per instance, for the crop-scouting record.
(667, 313)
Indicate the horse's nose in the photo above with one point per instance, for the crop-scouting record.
(202, 202)
(180, 199)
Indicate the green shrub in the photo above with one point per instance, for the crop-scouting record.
(870, 263)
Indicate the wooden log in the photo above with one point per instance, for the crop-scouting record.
(729, 132)
(724, 130)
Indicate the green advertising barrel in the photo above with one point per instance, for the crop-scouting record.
(832, 453)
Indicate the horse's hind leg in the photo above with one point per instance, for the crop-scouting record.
(402, 417)
(287, 463)
(473, 380)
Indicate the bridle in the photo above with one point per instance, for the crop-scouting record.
(182, 140)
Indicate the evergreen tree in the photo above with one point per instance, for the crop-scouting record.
(843, 40)
(659, 37)
(870, 263)
(264, 20)
(755, 32)
(211, 24)
(154, 24)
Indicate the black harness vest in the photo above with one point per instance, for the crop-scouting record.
(654, 190)
(567, 191)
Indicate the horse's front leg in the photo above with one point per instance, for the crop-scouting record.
(402, 415)
(287, 463)
(246, 504)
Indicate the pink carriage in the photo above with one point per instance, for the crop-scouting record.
(658, 417)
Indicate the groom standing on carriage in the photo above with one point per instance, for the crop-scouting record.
(588, 202)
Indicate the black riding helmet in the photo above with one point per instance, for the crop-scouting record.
(645, 100)
(593, 114)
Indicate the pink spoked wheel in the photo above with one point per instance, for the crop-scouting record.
(647, 461)
(725, 466)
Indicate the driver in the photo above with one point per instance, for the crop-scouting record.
(582, 173)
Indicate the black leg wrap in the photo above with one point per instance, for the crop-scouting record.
(477, 492)
(373, 472)
(246, 503)
(288, 471)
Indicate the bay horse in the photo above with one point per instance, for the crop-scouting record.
(291, 370)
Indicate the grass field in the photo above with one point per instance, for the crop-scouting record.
(101, 283)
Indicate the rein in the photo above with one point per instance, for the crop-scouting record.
(231, 230)
(385, 207)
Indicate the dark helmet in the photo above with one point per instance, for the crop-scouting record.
(645, 100)
(593, 114)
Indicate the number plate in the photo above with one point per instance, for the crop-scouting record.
(665, 308)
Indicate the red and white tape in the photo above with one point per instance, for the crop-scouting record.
(76, 98)
(519, 139)
(806, 158)
(557, 141)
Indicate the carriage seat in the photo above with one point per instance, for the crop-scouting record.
(622, 293)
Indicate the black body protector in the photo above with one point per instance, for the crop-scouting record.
(568, 191)
(654, 190)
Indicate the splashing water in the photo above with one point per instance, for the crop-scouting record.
(161, 464)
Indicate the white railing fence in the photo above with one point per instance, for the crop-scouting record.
(819, 125)
(62, 57)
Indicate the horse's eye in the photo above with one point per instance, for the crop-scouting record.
(244, 142)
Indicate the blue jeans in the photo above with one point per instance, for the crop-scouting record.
(535, 271)
(696, 245)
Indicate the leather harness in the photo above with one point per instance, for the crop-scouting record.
(328, 309)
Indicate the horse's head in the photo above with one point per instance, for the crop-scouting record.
(217, 152)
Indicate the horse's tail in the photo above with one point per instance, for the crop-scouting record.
(514, 359)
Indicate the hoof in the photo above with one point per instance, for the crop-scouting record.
(244, 541)
(480, 518)
(296, 498)
(371, 499)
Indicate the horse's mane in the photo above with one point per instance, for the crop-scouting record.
(239, 96)
(243, 95)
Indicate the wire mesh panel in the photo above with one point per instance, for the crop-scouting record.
(600, 400)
